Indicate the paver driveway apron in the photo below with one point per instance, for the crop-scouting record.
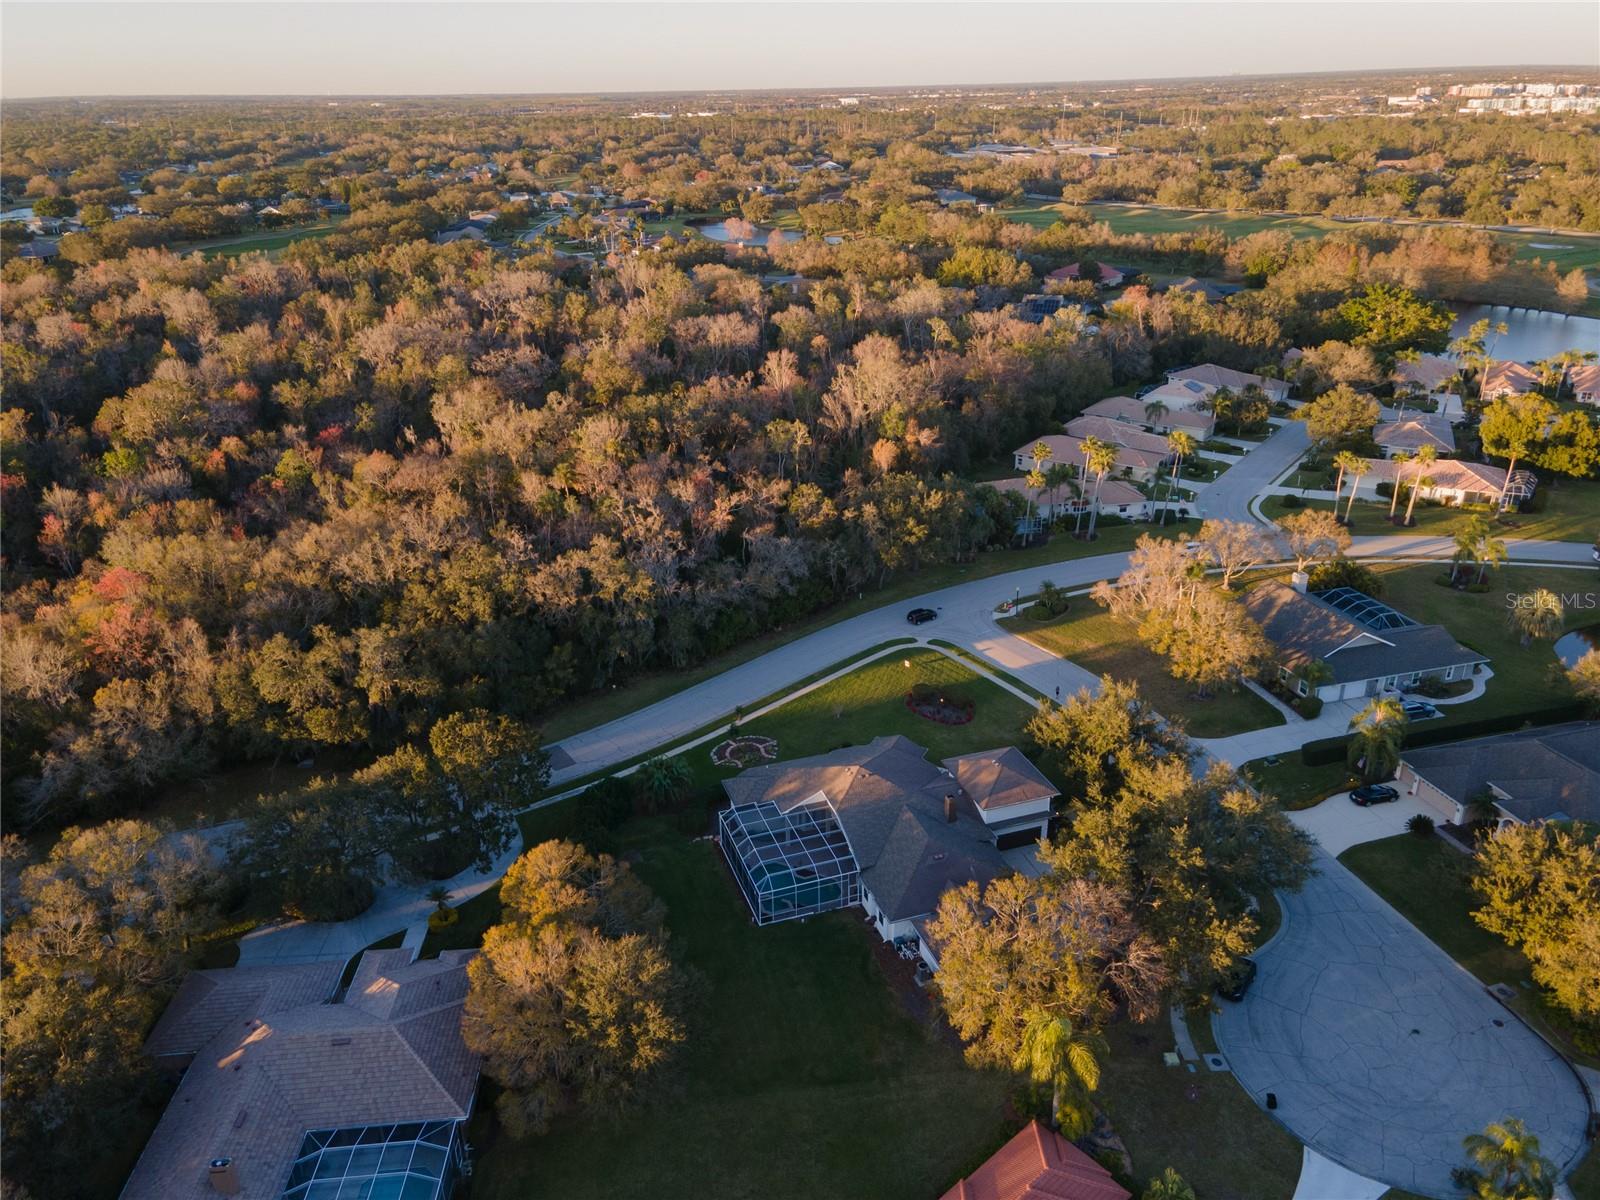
(1382, 1052)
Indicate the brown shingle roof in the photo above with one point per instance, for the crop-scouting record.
(998, 778)
(1038, 1164)
(256, 1087)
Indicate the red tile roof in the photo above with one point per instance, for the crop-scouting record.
(1038, 1164)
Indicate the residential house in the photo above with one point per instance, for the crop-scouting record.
(1452, 482)
(1182, 395)
(1583, 382)
(1216, 377)
(288, 1079)
(1038, 1164)
(1117, 498)
(1366, 647)
(470, 233)
(1139, 412)
(1532, 775)
(1215, 293)
(40, 250)
(1037, 309)
(1503, 378)
(1110, 276)
(1410, 434)
(1119, 433)
(877, 826)
(1427, 374)
(950, 197)
(1133, 463)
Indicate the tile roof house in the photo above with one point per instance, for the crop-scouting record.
(877, 825)
(1214, 377)
(1120, 433)
(1454, 481)
(285, 1078)
(1507, 379)
(1116, 499)
(1411, 433)
(1533, 775)
(1142, 465)
(1428, 373)
(1038, 1164)
(1109, 276)
(1368, 648)
(1180, 395)
(1583, 382)
(1138, 412)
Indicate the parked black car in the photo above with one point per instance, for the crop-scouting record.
(1238, 980)
(1374, 793)
(921, 616)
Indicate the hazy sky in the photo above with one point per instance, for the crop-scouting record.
(130, 48)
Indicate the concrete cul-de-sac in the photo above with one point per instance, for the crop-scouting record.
(1382, 1052)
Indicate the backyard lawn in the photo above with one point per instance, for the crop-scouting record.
(802, 1077)
(1426, 881)
(1105, 645)
(1571, 513)
(587, 712)
(1525, 677)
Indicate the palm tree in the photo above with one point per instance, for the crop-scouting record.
(1536, 614)
(1507, 1164)
(1357, 469)
(1055, 478)
(1041, 455)
(1345, 460)
(1379, 728)
(1424, 459)
(1182, 445)
(665, 779)
(1466, 551)
(1101, 459)
(1491, 551)
(1154, 410)
(1169, 1185)
(1058, 1057)
(1400, 461)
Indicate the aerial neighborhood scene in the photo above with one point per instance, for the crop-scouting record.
(762, 601)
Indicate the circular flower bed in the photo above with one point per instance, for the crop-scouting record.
(945, 708)
(744, 751)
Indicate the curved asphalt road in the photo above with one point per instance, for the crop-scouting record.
(964, 619)
(1382, 1052)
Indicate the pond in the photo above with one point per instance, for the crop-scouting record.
(718, 232)
(1573, 646)
(1531, 333)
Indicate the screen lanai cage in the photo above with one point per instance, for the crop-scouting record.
(789, 864)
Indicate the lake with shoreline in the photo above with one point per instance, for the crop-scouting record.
(1531, 333)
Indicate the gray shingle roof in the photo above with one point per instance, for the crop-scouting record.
(1549, 773)
(997, 778)
(890, 801)
(1302, 628)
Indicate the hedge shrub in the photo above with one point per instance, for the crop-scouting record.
(1332, 750)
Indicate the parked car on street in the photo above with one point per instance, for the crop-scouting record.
(1374, 793)
(921, 616)
(1238, 980)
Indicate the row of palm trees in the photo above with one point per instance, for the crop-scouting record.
(1099, 460)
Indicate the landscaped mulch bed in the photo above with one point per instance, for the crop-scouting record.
(744, 751)
(946, 711)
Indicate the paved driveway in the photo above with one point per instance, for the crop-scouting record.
(1338, 823)
(1382, 1052)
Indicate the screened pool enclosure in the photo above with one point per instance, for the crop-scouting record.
(420, 1160)
(789, 864)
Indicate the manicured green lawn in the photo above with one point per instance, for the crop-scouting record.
(1427, 882)
(270, 240)
(1571, 514)
(1202, 1123)
(1525, 677)
(1296, 785)
(803, 1075)
(586, 712)
(870, 702)
(1101, 643)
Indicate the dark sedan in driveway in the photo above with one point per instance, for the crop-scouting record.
(1374, 793)
(921, 616)
(1238, 980)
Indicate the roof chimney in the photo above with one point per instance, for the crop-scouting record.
(1299, 580)
(224, 1176)
(950, 807)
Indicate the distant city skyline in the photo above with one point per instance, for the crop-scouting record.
(317, 49)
